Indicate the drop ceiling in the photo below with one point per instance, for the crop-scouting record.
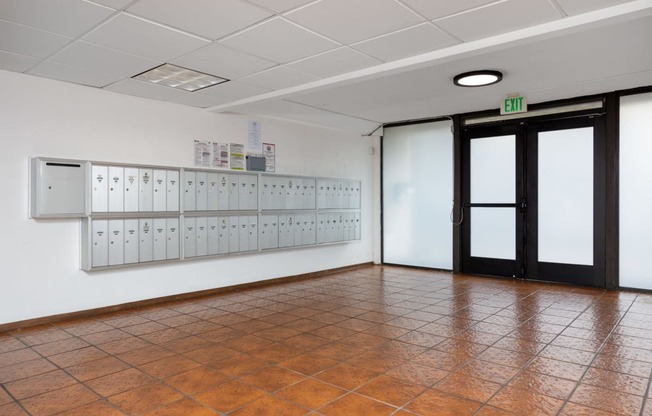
(348, 64)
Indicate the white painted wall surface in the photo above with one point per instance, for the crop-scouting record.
(40, 274)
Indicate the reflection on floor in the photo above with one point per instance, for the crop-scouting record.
(374, 341)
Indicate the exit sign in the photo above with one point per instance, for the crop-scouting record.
(513, 105)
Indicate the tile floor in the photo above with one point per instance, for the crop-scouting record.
(374, 341)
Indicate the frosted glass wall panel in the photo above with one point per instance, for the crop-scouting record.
(418, 195)
(566, 196)
(493, 169)
(635, 191)
(493, 233)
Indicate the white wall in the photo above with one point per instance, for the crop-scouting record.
(40, 275)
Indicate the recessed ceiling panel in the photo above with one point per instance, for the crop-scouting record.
(100, 59)
(280, 6)
(279, 78)
(352, 21)
(225, 62)
(196, 100)
(65, 17)
(74, 74)
(27, 41)
(139, 37)
(15, 62)
(501, 17)
(573, 7)
(280, 41)
(407, 42)
(208, 18)
(145, 90)
(436, 9)
(335, 62)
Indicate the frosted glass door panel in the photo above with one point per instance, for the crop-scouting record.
(493, 234)
(635, 191)
(418, 195)
(565, 228)
(493, 169)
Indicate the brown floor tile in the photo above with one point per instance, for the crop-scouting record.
(212, 354)
(38, 335)
(272, 378)
(488, 371)
(270, 406)
(607, 400)
(229, 396)
(169, 366)
(422, 339)
(306, 342)
(347, 376)
(623, 365)
(145, 398)
(105, 336)
(11, 345)
(40, 384)
(85, 327)
(183, 407)
(624, 383)
(647, 410)
(18, 356)
(98, 408)
(98, 368)
(197, 380)
(391, 390)
(337, 351)
(418, 374)
(493, 411)
(544, 384)
(470, 388)
(304, 325)
(83, 355)
(434, 402)
(57, 347)
(557, 368)
(567, 354)
(144, 328)
(354, 404)
(58, 401)
(240, 365)
(119, 382)
(525, 402)
(26, 369)
(504, 357)
(276, 353)
(573, 409)
(311, 393)
(11, 409)
(247, 343)
(309, 364)
(145, 355)
(447, 361)
(166, 335)
(183, 345)
(123, 345)
(4, 397)
(376, 361)
(199, 327)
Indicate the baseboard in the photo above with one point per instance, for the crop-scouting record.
(172, 298)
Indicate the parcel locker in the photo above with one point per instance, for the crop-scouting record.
(212, 190)
(273, 234)
(332, 226)
(265, 229)
(340, 192)
(350, 226)
(189, 191)
(99, 189)
(290, 230)
(243, 229)
(159, 233)
(131, 190)
(116, 189)
(132, 241)
(201, 233)
(290, 194)
(308, 231)
(189, 238)
(331, 193)
(234, 192)
(172, 235)
(146, 246)
(282, 227)
(282, 193)
(234, 233)
(159, 195)
(172, 178)
(253, 232)
(146, 190)
(298, 193)
(212, 225)
(116, 242)
(248, 192)
(308, 194)
(201, 187)
(298, 229)
(321, 228)
(265, 192)
(223, 235)
(339, 227)
(356, 194)
(277, 195)
(321, 193)
(357, 225)
(223, 191)
(100, 239)
(253, 192)
(346, 195)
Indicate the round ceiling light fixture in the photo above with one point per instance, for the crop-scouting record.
(478, 78)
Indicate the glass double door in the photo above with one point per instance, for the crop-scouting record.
(533, 201)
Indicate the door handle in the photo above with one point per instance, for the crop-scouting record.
(522, 206)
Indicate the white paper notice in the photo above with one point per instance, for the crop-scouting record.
(269, 151)
(237, 156)
(202, 153)
(255, 137)
(220, 155)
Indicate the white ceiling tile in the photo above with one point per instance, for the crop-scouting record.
(408, 42)
(27, 41)
(280, 6)
(72, 74)
(65, 17)
(336, 62)
(144, 89)
(498, 18)
(278, 78)
(209, 18)
(139, 37)
(216, 59)
(15, 62)
(436, 9)
(100, 59)
(572, 7)
(231, 91)
(114, 4)
(280, 41)
(352, 21)
(196, 100)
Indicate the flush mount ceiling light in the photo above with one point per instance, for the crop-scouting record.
(478, 78)
(179, 78)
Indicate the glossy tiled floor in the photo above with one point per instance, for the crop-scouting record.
(375, 341)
